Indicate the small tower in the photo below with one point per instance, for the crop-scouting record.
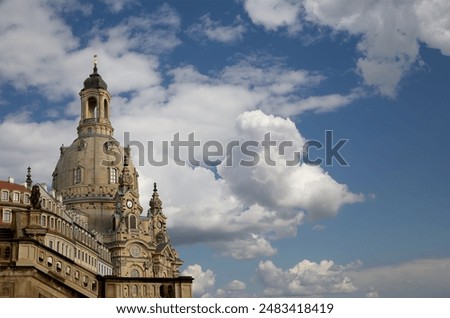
(95, 101)
(158, 219)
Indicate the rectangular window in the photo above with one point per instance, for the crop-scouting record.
(44, 220)
(6, 217)
(5, 195)
(16, 196)
(26, 199)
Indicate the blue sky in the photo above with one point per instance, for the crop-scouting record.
(373, 72)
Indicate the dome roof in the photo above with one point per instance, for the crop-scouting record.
(95, 81)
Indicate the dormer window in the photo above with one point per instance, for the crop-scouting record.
(16, 196)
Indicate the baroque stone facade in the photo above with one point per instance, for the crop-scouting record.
(89, 236)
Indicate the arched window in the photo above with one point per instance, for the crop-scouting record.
(77, 176)
(92, 108)
(49, 261)
(105, 109)
(134, 273)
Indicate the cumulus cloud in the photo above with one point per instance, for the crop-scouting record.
(27, 143)
(49, 56)
(275, 14)
(204, 284)
(304, 279)
(389, 32)
(215, 31)
(252, 246)
(28, 61)
(416, 278)
(203, 280)
(235, 288)
(389, 40)
(276, 184)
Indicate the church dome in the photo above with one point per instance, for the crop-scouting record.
(95, 81)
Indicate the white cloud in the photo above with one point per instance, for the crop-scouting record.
(252, 246)
(203, 280)
(235, 288)
(417, 278)
(48, 57)
(275, 14)
(304, 279)
(390, 33)
(434, 23)
(26, 143)
(215, 31)
(279, 186)
(235, 285)
(36, 60)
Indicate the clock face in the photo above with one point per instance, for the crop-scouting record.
(129, 204)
